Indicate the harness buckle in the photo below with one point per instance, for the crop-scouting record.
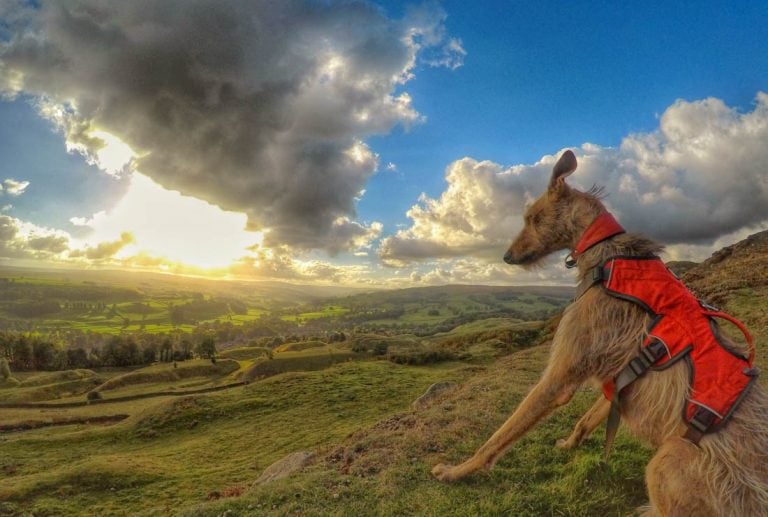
(639, 365)
(598, 274)
(702, 419)
(654, 351)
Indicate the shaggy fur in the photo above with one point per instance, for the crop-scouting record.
(725, 475)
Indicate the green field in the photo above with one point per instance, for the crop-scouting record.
(110, 303)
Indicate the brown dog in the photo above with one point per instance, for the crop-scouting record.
(725, 474)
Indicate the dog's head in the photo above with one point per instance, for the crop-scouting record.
(552, 221)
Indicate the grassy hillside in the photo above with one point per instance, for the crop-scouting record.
(350, 404)
(171, 454)
(736, 278)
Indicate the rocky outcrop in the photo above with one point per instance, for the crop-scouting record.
(432, 392)
(294, 462)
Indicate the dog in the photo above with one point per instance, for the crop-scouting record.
(600, 336)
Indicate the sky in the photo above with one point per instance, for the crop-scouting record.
(383, 144)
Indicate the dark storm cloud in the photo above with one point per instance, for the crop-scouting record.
(259, 107)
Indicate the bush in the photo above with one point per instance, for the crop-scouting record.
(379, 348)
(93, 395)
(421, 356)
(9, 382)
(5, 370)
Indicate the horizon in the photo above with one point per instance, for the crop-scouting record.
(369, 144)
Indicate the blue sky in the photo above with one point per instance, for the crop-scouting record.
(500, 84)
(540, 76)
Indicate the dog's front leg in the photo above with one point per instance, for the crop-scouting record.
(552, 391)
(591, 419)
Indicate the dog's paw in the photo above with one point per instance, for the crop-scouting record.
(444, 472)
(562, 443)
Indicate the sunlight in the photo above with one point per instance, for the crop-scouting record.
(170, 225)
(114, 155)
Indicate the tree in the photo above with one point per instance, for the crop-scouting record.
(22, 353)
(166, 350)
(207, 348)
(43, 354)
(149, 353)
(5, 370)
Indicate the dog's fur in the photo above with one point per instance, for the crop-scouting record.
(725, 474)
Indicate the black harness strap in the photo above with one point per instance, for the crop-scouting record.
(636, 368)
(593, 276)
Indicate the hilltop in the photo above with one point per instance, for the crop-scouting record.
(736, 279)
(743, 265)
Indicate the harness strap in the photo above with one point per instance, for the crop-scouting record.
(594, 276)
(699, 424)
(637, 367)
(714, 313)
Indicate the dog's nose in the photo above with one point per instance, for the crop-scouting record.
(508, 258)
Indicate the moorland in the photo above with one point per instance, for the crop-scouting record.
(141, 393)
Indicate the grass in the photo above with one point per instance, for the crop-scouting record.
(326, 312)
(301, 361)
(172, 455)
(245, 353)
(384, 469)
(163, 373)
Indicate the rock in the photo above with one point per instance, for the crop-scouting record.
(432, 392)
(285, 467)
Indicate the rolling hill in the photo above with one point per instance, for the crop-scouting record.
(369, 450)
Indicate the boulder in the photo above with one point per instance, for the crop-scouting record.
(285, 467)
(432, 392)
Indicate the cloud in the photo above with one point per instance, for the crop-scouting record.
(24, 240)
(697, 178)
(104, 250)
(468, 271)
(51, 243)
(14, 187)
(257, 107)
(280, 263)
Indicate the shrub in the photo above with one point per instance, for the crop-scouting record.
(5, 370)
(420, 356)
(93, 395)
(9, 382)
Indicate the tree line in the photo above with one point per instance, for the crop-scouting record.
(25, 352)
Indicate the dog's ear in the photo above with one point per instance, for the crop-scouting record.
(562, 169)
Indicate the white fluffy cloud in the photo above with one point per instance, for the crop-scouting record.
(698, 178)
(257, 107)
(14, 187)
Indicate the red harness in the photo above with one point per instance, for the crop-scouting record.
(682, 328)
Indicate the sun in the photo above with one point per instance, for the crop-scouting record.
(169, 225)
(114, 154)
